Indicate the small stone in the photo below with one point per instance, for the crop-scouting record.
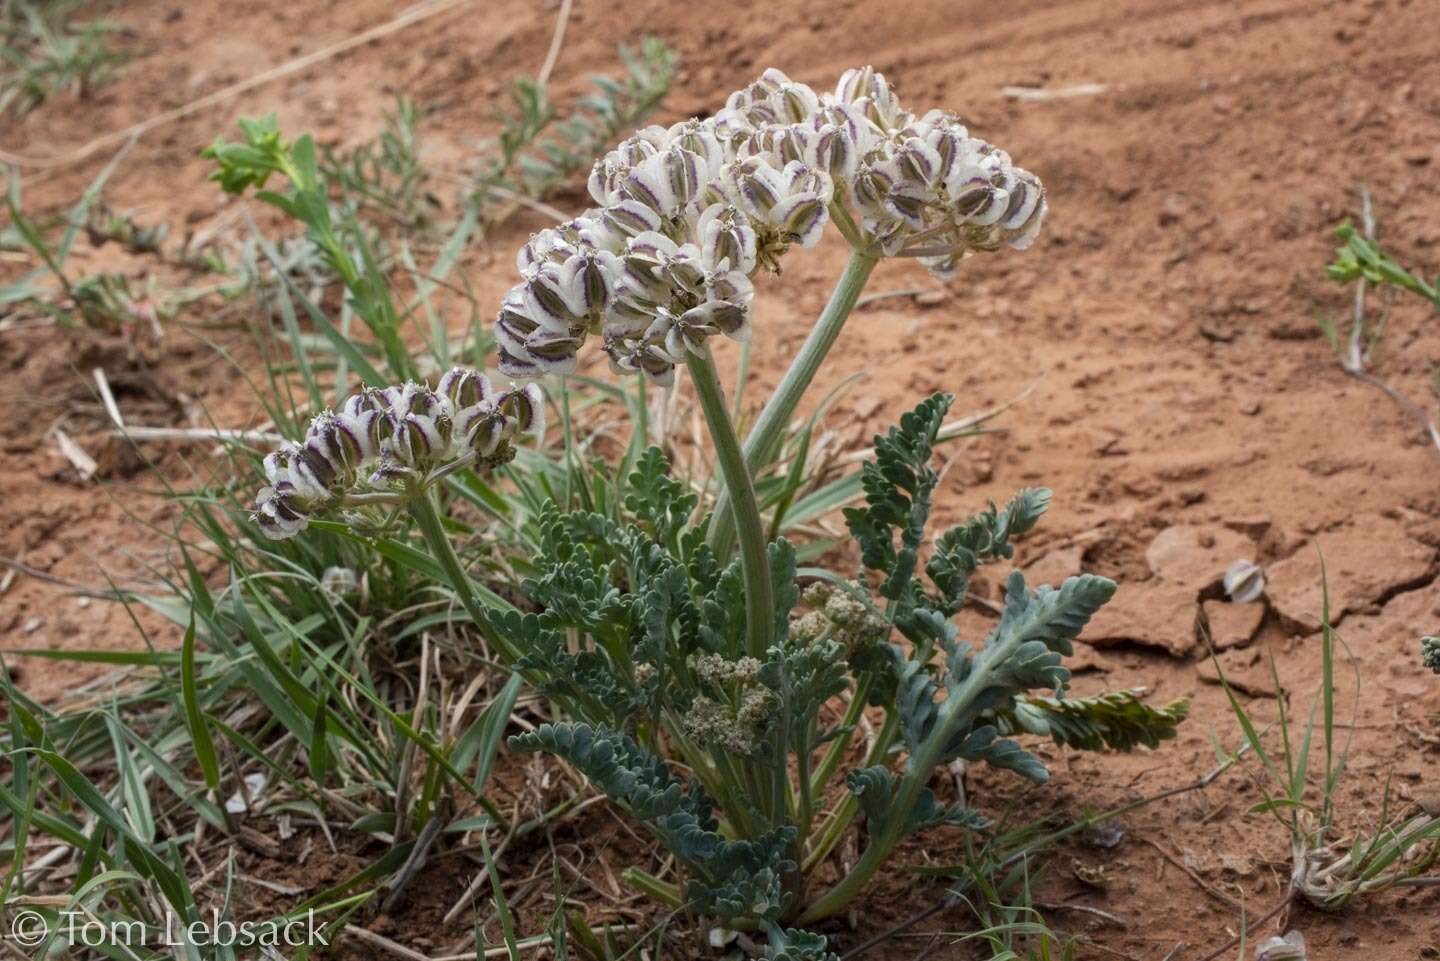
(1232, 625)
(1289, 948)
(1194, 555)
(1236, 866)
(1172, 210)
(932, 298)
(32, 625)
(1367, 561)
(1104, 835)
(1152, 614)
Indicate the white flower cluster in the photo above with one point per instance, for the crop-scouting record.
(388, 440)
(686, 215)
(839, 616)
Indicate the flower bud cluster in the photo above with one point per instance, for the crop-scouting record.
(716, 669)
(738, 730)
(839, 616)
(1430, 653)
(686, 215)
(389, 440)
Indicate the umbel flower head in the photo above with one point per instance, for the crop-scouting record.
(385, 445)
(686, 215)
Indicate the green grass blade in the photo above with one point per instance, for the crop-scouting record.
(204, 746)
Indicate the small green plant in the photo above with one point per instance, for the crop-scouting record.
(1331, 866)
(46, 52)
(1360, 257)
(101, 300)
(525, 164)
(340, 237)
(385, 177)
(1361, 261)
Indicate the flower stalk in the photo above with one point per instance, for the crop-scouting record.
(427, 519)
(754, 560)
(763, 441)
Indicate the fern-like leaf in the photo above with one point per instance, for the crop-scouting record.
(661, 504)
(985, 537)
(1119, 720)
(727, 878)
(898, 484)
(792, 944)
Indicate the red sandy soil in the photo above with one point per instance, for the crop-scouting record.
(1185, 410)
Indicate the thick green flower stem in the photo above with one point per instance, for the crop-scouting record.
(427, 518)
(754, 555)
(835, 753)
(754, 558)
(662, 891)
(763, 441)
(838, 821)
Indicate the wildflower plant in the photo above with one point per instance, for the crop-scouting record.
(670, 639)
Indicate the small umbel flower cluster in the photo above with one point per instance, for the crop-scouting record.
(385, 445)
(837, 615)
(739, 729)
(687, 215)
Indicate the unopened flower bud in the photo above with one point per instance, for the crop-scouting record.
(420, 439)
(867, 90)
(339, 582)
(525, 407)
(463, 386)
(726, 236)
(277, 515)
(631, 217)
(1244, 581)
(834, 150)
